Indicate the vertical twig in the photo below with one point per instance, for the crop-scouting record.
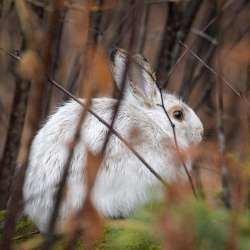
(177, 147)
(36, 98)
(212, 70)
(187, 49)
(221, 136)
(132, 41)
(137, 155)
(144, 28)
(167, 43)
(56, 30)
(59, 195)
(194, 73)
(189, 15)
(198, 180)
(9, 158)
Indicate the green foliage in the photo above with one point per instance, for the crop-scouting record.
(210, 226)
(134, 233)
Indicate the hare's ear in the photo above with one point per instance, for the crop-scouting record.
(119, 59)
(141, 83)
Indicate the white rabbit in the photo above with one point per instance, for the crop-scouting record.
(122, 183)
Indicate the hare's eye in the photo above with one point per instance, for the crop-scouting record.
(178, 115)
(144, 59)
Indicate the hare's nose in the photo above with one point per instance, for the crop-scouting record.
(112, 53)
(201, 132)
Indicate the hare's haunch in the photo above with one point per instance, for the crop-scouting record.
(122, 183)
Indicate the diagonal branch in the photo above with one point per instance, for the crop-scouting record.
(177, 146)
(138, 156)
(182, 56)
(212, 70)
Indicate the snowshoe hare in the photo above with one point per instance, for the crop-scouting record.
(122, 183)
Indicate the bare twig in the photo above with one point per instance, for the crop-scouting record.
(3, 115)
(9, 158)
(36, 98)
(144, 28)
(194, 72)
(167, 43)
(131, 46)
(204, 36)
(66, 92)
(182, 56)
(212, 70)
(222, 141)
(192, 9)
(56, 31)
(59, 196)
(177, 147)
(26, 236)
(138, 156)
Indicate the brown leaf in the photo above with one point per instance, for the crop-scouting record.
(93, 164)
(31, 243)
(178, 233)
(92, 224)
(88, 223)
(87, 220)
(77, 23)
(98, 77)
(108, 4)
(240, 53)
(30, 66)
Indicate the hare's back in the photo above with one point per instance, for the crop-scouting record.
(51, 145)
(49, 151)
(122, 175)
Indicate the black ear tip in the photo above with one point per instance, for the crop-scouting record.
(112, 53)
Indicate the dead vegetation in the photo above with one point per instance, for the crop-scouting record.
(52, 51)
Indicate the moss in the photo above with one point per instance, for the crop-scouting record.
(24, 229)
(128, 234)
(210, 226)
(2, 215)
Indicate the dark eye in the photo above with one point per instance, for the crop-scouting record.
(178, 115)
(144, 59)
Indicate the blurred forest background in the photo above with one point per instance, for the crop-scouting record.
(199, 49)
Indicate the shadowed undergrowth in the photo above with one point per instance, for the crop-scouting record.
(209, 228)
(198, 50)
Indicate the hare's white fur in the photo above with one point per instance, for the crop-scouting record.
(123, 182)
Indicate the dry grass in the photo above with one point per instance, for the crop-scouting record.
(198, 49)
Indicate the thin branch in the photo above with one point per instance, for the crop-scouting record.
(59, 196)
(138, 156)
(37, 93)
(167, 42)
(193, 72)
(56, 31)
(16, 123)
(204, 36)
(144, 29)
(182, 56)
(192, 9)
(212, 70)
(177, 146)
(131, 46)
(220, 124)
(13, 141)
